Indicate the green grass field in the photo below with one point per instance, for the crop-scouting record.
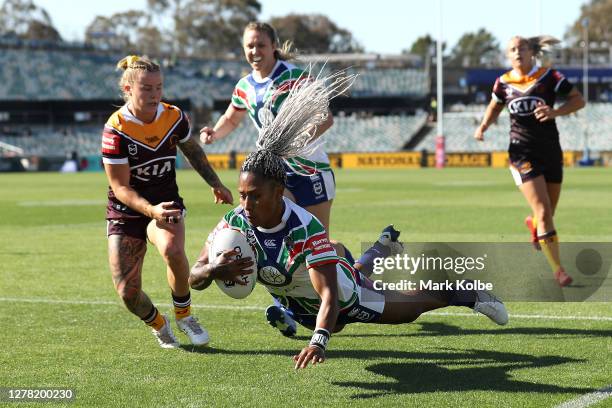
(63, 324)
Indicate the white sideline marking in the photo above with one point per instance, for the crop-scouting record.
(110, 302)
(528, 316)
(59, 203)
(588, 399)
(252, 307)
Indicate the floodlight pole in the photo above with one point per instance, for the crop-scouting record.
(440, 142)
(585, 80)
(585, 59)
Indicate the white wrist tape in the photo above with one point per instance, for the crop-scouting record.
(320, 338)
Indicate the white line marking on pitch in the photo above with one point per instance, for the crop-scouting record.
(588, 399)
(528, 316)
(113, 303)
(253, 307)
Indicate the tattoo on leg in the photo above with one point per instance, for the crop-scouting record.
(126, 255)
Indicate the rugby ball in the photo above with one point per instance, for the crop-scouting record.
(227, 239)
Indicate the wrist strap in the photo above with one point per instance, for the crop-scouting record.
(320, 338)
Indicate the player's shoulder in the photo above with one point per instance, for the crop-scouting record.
(301, 218)
(556, 74)
(287, 69)
(245, 81)
(235, 218)
(171, 112)
(115, 119)
(504, 78)
(171, 108)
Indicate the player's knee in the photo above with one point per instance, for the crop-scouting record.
(543, 214)
(171, 250)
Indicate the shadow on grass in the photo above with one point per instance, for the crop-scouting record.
(447, 370)
(465, 370)
(443, 329)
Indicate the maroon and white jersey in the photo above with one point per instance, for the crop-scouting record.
(150, 151)
(522, 95)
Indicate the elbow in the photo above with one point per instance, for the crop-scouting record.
(200, 284)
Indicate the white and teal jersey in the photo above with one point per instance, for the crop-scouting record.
(287, 251)
(251, 95)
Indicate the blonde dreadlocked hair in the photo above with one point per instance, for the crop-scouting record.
(292, 131)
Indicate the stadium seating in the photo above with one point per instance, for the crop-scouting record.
(352, 133)
(44, 141)
(391, 82)
(459, 129)
(29, 74)
(348, 134)
(42, 75)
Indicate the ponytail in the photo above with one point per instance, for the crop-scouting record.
(542, 44)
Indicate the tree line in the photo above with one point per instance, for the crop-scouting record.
(213, 28)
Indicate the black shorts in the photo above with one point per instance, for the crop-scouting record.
(134, 226)
(529, 162)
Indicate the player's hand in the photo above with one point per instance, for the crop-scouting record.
(228, 269)
(222, 195)
(308, 354)
(207, 135)
(479, 134)
(167, 212)
(544, 112)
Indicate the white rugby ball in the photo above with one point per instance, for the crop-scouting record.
(227, 239)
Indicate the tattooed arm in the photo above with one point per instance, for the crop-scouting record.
(197, 158)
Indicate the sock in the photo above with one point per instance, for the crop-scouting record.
(549, 241)
(462, 297)
(182, 306)
(534, 223)
(154, 319)
(366, 260)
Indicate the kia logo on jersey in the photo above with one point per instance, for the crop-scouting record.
(158, 169)
(525, 105)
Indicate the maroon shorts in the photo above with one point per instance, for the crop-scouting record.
(528, 163)
(131, 225)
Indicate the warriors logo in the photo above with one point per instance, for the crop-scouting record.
(274, 275)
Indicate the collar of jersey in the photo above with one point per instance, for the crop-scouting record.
(519, 77)
(283, 222)
(127, 115)
(264, 80)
